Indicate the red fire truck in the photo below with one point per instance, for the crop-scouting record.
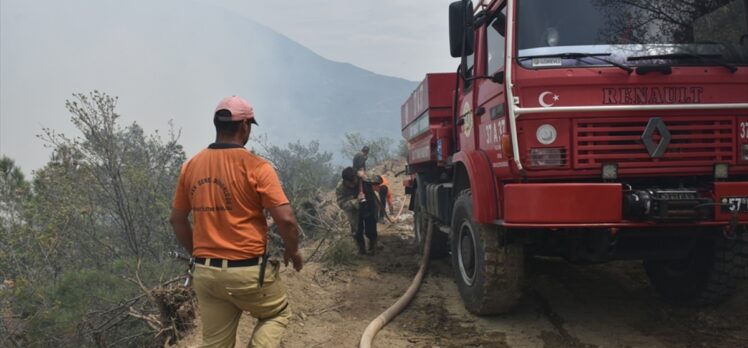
(593, 130)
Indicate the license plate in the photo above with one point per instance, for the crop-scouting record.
(733, 204)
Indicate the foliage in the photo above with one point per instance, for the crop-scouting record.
(14, 191)
(73, 239)
(402, 149)
(305, 172)
(341, 251)
(84, 240)
(302, 168)
(380, 149)
(15, 195)
(125, 177)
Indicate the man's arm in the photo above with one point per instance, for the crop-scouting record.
(289, 232)
(182, 228)
(373, 179)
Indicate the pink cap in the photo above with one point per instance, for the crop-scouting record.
(239, 109)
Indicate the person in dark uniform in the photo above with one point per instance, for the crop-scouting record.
(355, 195)
(359, 161)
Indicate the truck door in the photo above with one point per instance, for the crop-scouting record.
(466, 118)
(490, 98)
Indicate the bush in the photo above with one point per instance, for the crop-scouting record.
(380, 149)
(306, 174)
(402, 149)
(341, 251)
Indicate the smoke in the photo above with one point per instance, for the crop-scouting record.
(173, 60)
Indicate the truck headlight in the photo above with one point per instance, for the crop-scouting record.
(546, 134)
(610, 171)
(547, 157)
(721, 170)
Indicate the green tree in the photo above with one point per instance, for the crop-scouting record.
(380, 149)
(352, 144)
(305, 172)
(124, 178)
(303, 169)
(89, 232)
(15, 194)
(402, 149)
(14, 191)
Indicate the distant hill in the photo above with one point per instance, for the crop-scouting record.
(174, 60)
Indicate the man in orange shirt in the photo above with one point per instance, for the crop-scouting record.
(227, 188)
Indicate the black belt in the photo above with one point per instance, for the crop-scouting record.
(229, 263)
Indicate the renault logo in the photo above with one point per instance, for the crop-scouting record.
(656, 124)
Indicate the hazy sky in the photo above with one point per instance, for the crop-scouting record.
(50, 49)
(403, 38)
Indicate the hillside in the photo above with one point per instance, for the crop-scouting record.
(564, 305)
(174, 60)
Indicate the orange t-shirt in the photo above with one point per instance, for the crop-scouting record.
(389, 192)
(226, 188)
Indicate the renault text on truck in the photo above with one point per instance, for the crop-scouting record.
(594, 130)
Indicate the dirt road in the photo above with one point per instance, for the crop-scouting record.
(563, 306)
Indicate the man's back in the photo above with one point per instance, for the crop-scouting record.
(226, 188)
(371, 205)
(359, 161)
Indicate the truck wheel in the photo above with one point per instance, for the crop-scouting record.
(709, 275)
(489, 275)
(439, 243)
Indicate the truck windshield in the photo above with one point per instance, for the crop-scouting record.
(671, 31)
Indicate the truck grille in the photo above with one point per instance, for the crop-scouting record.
(695, 142)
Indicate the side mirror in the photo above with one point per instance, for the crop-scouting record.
(500, 24)
(461, 37)
(498, 77)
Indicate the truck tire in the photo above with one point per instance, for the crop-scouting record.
(489, 275)
(439, 242)
(709, 275)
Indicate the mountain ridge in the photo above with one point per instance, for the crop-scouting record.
(167, 60)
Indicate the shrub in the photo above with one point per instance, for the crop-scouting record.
(341, 251)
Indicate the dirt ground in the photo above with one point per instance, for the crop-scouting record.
(563, 305)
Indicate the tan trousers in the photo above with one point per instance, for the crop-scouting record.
(224, 293)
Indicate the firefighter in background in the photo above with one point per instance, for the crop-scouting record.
(355, 196)
(359, 160)
(348, 197)
(385, 197)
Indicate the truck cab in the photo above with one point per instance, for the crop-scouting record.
(590, 130)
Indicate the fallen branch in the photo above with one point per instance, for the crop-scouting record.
(311, 256)
(328, 309)
(174, 307)
(153, 322)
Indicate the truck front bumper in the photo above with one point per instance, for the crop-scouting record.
(562, 205)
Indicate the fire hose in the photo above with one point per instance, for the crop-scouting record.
(377, 324)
